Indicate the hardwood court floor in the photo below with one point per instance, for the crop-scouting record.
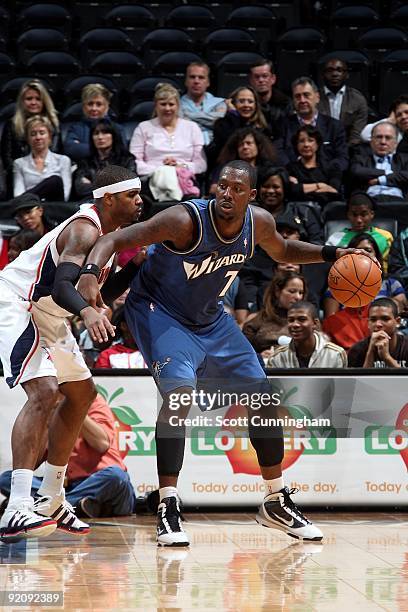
(232, 565)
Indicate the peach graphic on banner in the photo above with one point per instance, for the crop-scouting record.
(402, 424)
(242, 457)
(125, 417)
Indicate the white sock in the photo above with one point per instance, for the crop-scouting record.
(274, 485)
(53, 481)
(21, 481)
(167, 492)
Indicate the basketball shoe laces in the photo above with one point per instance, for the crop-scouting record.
(289, 505)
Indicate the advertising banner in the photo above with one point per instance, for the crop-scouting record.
(349, 444)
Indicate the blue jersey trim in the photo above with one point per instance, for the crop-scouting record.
(214, 226)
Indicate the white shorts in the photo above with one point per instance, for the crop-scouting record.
(34, 343)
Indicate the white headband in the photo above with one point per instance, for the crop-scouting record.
(117, 187)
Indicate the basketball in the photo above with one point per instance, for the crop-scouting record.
(354, 280)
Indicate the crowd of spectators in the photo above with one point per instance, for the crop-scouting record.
(313, 151)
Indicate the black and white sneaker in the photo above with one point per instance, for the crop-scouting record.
(19, 521)
(280, 512)
(169, 529)
(62, 512)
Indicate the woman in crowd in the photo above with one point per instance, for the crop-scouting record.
(33, 99)
(247, 144)
(310, 175)
(21, 241)
(42, 172)
(390, 287)
(269, 326)
(168, 150)
(96, 100)
(274, 193)
(245, 111)
(106, 147)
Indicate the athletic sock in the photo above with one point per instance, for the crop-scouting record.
(167, 492)
(274, 485)
(53, 481)
(21, 481)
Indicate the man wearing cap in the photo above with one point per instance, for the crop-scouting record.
(39, 351)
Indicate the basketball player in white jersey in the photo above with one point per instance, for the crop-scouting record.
(39, 351)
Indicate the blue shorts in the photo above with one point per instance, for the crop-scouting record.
(178, 356)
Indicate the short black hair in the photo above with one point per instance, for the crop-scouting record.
(303, 305)
(402, 99)
(266, 172)
(238, 164)
(311, 131)
(361, 198)
(385, 302)
(112, 174)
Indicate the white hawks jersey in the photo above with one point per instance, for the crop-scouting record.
(31, 275)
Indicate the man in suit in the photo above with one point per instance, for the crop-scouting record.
(306, 98)
(399, 116)
(380, 170)
(342, 102)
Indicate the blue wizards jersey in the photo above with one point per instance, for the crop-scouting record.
(189, 284)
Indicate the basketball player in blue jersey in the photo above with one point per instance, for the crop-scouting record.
(39, 351)
(176, 316)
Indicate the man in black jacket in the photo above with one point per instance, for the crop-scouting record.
(379, 169)
(306, 98)
(275, 104)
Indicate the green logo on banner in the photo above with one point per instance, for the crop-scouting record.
(386, 440)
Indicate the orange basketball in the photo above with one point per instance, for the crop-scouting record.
(354, 280)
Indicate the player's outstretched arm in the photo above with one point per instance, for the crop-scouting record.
(73, 245)
(294, 251)
(174, 225)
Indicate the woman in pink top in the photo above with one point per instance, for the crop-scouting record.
(168, 140)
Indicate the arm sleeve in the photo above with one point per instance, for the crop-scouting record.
(64, 293)
(18, 179)
(73, 147)
(137, 149)
(119, 282)
(66, 175)
(198, 163)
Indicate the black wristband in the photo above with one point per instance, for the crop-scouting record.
(329, 253)
(90, 268)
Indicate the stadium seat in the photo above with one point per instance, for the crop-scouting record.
(297, 51)
(73, 89)
(7, 66)
(227, 40)
(4, 21)
(196, 20)
(174, 64)
(3, 42)
(393, 79)
(55, 66)
(87, 14)
(144, 89)
(164, 40)
(260, 21)
(399, 17)
(336, 225)
(374, 4)
(232, 71)
(39, 39)
(128, 127)
(161, 8)
(378, 42)
(122, 66)
(141, 111)
(99, 40)
(9, 91)
(358, 66)
(7, 111)
(349, 22)
(72, 113)
(136, 21)
(219, 8)
(44, 15)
